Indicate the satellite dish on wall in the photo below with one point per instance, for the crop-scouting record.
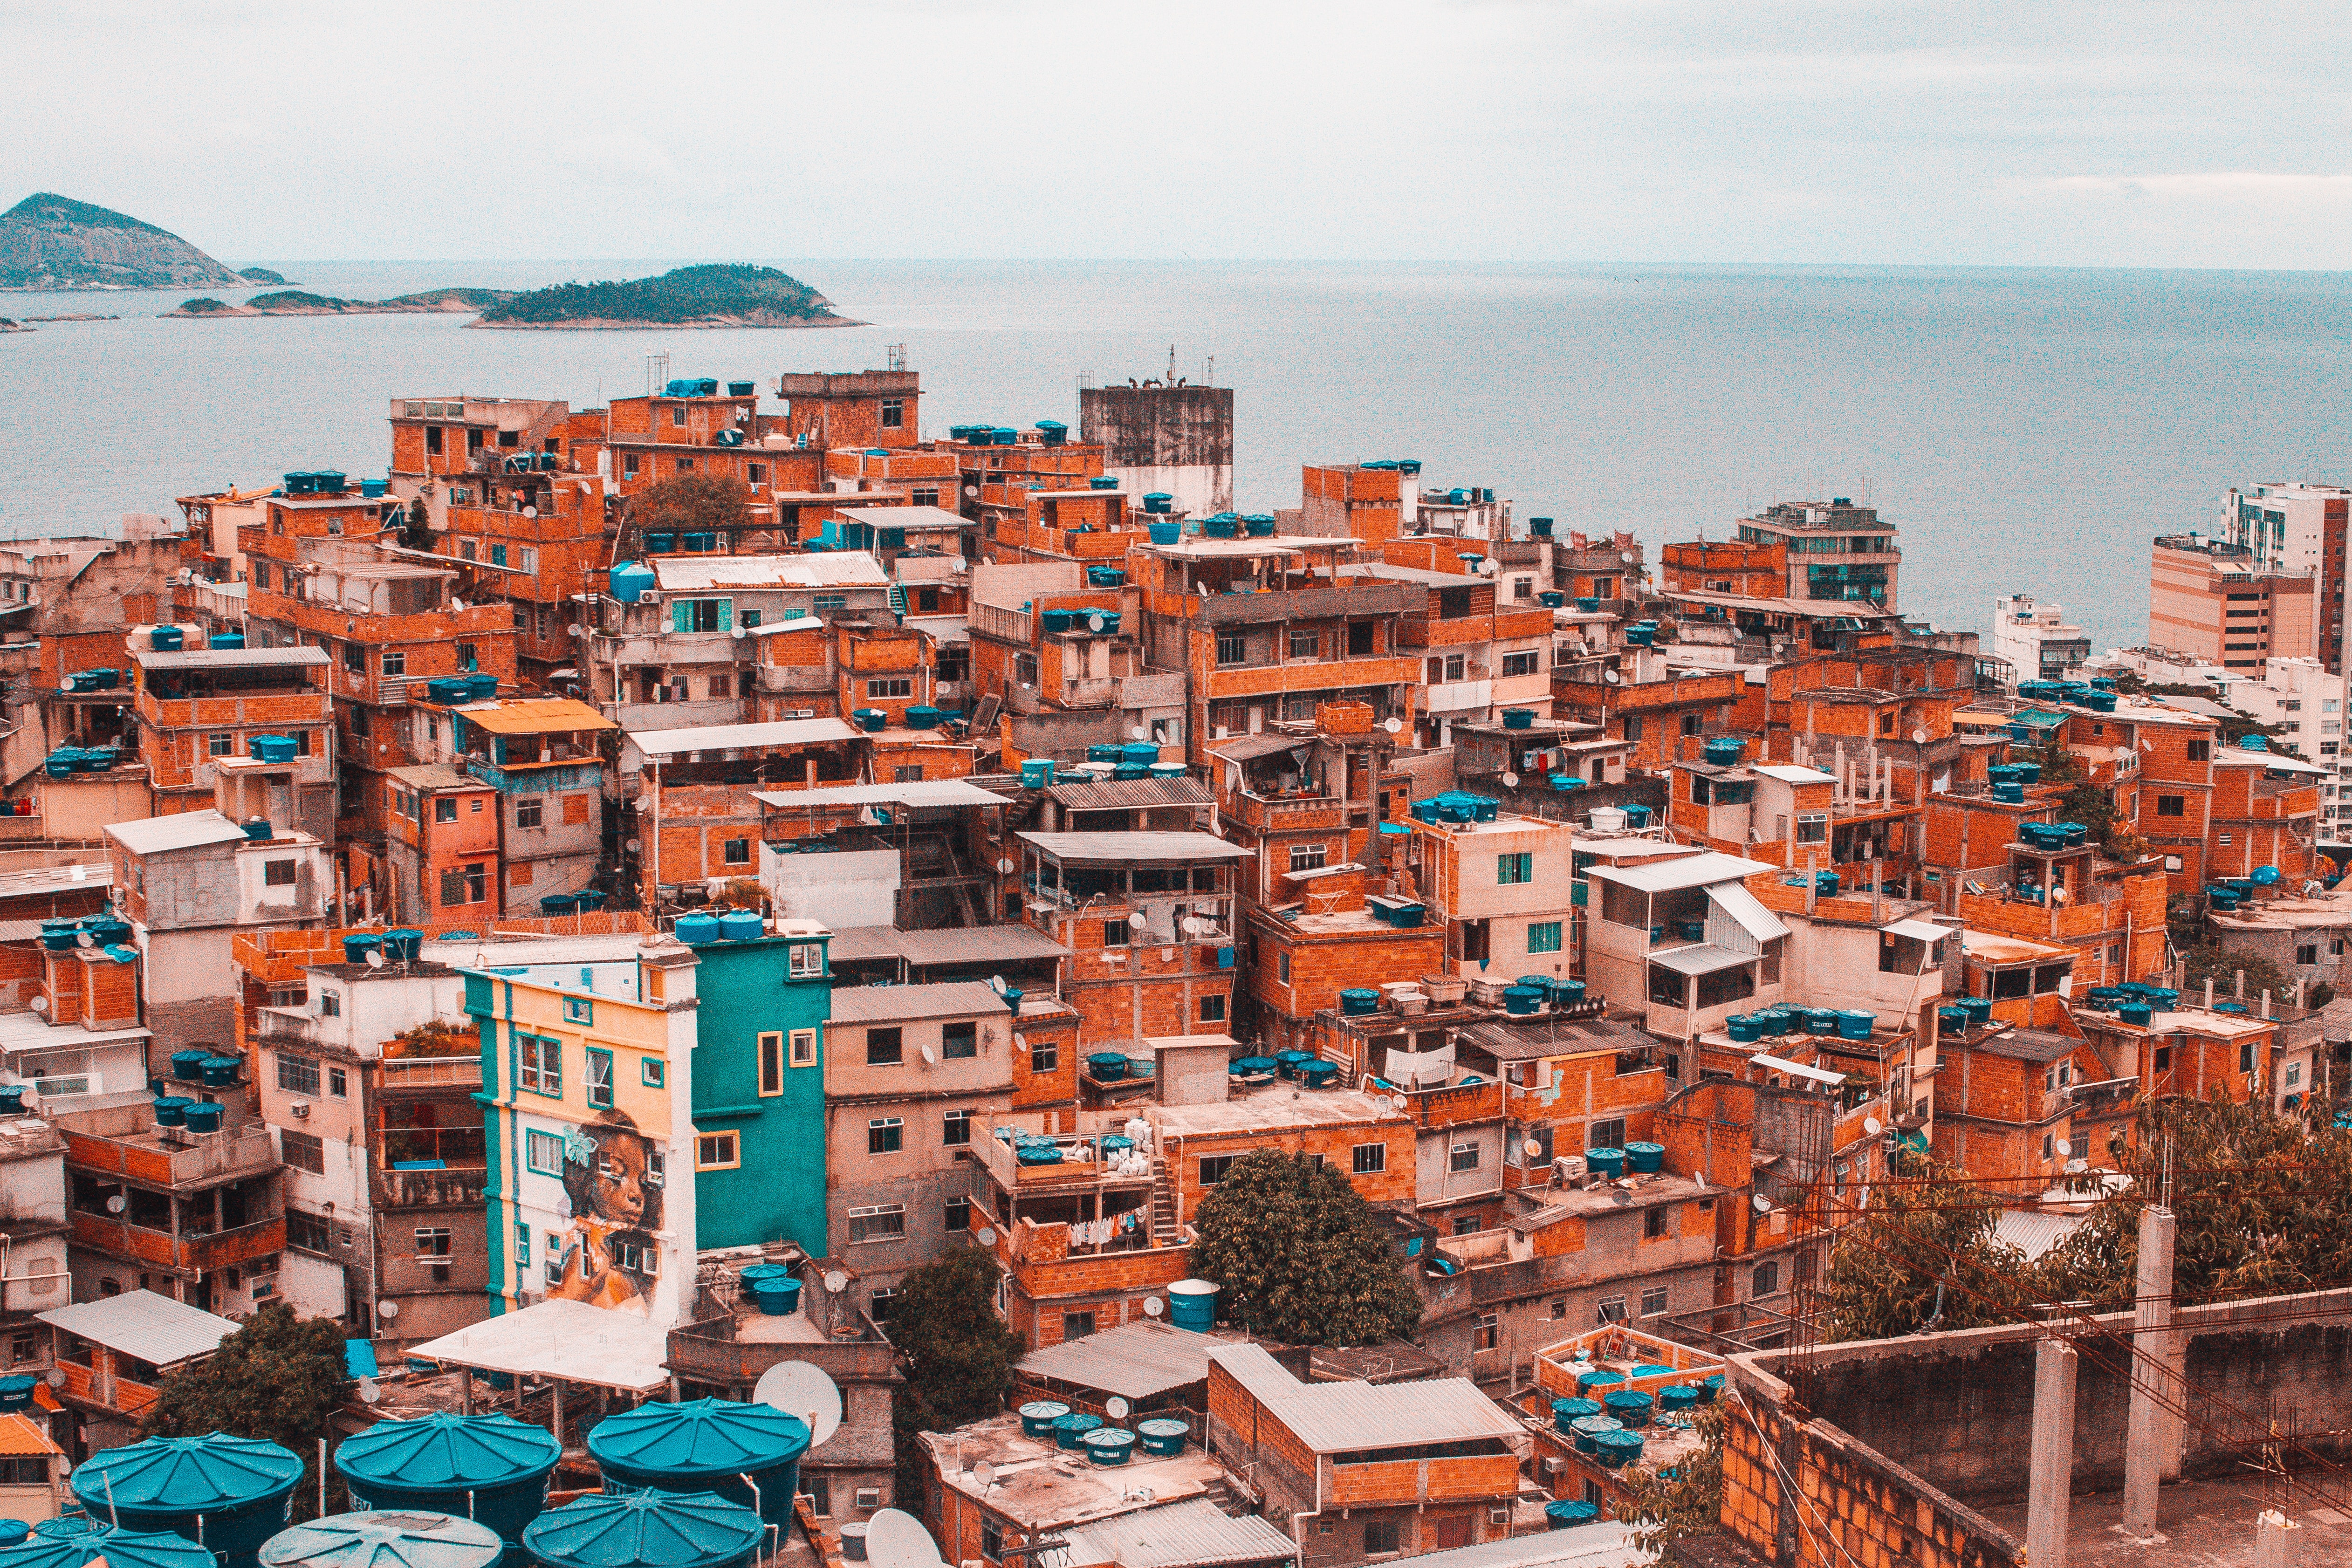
(1115, 1407)
(835, 1282)
(39, 1004)
(1613, 678)
(531, 511)
(2065, 1148)
(1396, 1102)
(931, 1057)
(986, 1235)
(996, 984)
(374, 959)
(736, 632)
(1510, 780)
(1626, 556)
(577, 630)
(55, 1377)
(1153, 1307)
(1763, 1204)
(1194, 926)
(1004, 868)
(1135, 734)
(117, 1204)
(633, 846)
(1919, 735)
(895, 1540)
(1532, 1148)
(369, 1391)
(84, 939)
(803, 1392)
(985, 1474)
(1870, 1125)
(387, 1311)
(1392, 724)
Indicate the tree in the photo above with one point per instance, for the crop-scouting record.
(691, 503)
(957, 1355)
(1923, 1255)
(1691, 1501)
(278, 1379)
(2207, 957)
(1297, 1256)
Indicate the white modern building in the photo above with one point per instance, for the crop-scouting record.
(2038, 641)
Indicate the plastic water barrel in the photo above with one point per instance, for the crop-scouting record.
(748, 1454)
(1820, 1020)
(1520, 999)
(203, 1117)
(1037, 1416)
(619, 1529)
(1631, 1406)
(697, 930)
(1585, 1431)
(1564, 1413)
(1610, 1162)
(188, 1066)
(1617, 1449)
(220, 1072)
(356, 948)
(630, 582)
(1855, 1024)
(1356, 1000)
(169, 640)
(1645, 1159)
(1070, 1431)
(1519, 719)
(1109, 1446)
(1162, 1437)
(238, 1485)
(1107, 1066)
(402, 943)
(1569, 1514)
(273, 747)
(1193, 1305)
(1678, 1397)
(172, 1109)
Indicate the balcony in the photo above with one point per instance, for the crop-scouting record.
(109, 1389)
(449, 1188)
(1014, 626)
(1386, 600)
(1278, 813)
(1405, 1483)
(187, 1253)
(185, 1159)
(402, 1073)
(792, 678)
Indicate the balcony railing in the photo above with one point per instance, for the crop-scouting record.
(147, 1158)
(187, 1253)
(432, 1072)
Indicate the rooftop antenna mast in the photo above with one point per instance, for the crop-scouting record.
(1171, 364)
(657, 371)
(896, 356)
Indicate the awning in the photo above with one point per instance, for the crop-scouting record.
(2270, 762)
(1795, 1069)
(1920, 930)
(572, 1340)
(1702, 959)
(913, 792)
(1742, 908)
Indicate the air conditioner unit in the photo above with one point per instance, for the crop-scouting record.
(301, 1108)
(1553, 1465)
(803, 713)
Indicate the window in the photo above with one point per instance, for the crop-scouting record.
(1523, 588)
(701, 615)
(542, 1153)
(1305, 644)
(1607, 1135)
(771, 1064)
(1310, 857)
(1543, 937)
(1653, 1303)
(522, 1244)
(1213, 1168)
(824, 601)
(2202, 750)
(1633, 727)
(498, 555)
(1609, 1309)
(1045, 1056)
(992, 1538)
(305, 1231)
(1213, 1008)
(445, 809)
(960, 1041)
(677, 413)
(1465, 1157)
(1765, 1281)
(1488, 1332)
(1372, 1159)
(884, 1046)
(883, 1222)
(886, 1134)
(1528, 662)
(1458, 666)
(541, 1064)
(1380, 1535)
(652, 1072)
(599, 1079)
(736, 851)
(1813, 827)
(804, 1044)
(1467, 1224)
(1690, 724)
(722, 686)
(2164, 1059)
(1559, 1307)
(298, 1074)
(465, 884)
(1510, 869)
(338, 1086)
(629, 464)
(806, 962)
(580, 1009)
(894, 417)
(1282, 967)
(432, 1242)
(1654, 1224)
(2245, 1056)
(220, 745)
(2308, 952)
(1115, 933)
(530, 813)
(890, 686)
(1232, 650)
(2172, 805)
(278, 873)
(717, 1151)
(467, 658)
(1361, 637)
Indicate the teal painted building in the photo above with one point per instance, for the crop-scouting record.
(759, 1088)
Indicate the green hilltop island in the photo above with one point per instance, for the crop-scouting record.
(718, 295)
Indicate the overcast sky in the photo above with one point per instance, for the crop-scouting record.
(1642, 131)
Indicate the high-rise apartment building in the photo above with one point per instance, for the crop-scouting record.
(2216, 602)
(1835, 550)
(2298, 527)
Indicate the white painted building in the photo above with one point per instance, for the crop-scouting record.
(2300, 699)
(2038, 641)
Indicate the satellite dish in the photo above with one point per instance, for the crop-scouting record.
(1396, 1102)
(835, 1282)
(1115, 1407)
(645, 802)
(736, 633)
(374, 959)
(1625, 556)
(804, 1392)
(369, 1391)
(1613, 678)
(387, 1311)
(577, 630)
(996, 984)
(1763, 1204)
(1004, 868)
(1533, 1148)
(633, 846)
(931, 1057)
(1095, 622)
(1510, 780)
(2065, 1148)
(1919, 735)
(1194, 926)
(117, 1204)
(985, 1474)
(986, 1235)
(531, 511)
(1392, 724)
(895, 1539)
(1153, 1307)
(84, 939)
(1135, 734)
(1870, 1125)
(39, 1004)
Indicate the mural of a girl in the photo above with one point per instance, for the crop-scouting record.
(613, 1200)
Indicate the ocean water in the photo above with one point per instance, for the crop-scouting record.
(2028, 431)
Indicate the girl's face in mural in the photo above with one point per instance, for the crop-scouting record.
(616, 1191)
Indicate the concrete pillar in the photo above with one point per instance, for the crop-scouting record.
(2152, 1432)
(2050, 1479)
(2278, 1541)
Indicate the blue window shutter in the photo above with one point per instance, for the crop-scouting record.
(681, 615)
(727, 615)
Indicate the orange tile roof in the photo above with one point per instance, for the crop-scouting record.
(19, 1435)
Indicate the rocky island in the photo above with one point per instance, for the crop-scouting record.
(53, 242)
(294, 302)
(710, 295)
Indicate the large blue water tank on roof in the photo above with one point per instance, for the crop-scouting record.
(240, 1486)
(707, 1446)
(630, 582)
(402, 1538)
(71, 1542)
(645, 1530)
(492, 1469)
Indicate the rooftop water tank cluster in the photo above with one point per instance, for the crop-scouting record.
(491, 1468)
(701, 930)
(229, 1494)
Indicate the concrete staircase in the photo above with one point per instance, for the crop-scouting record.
(1163, 1204)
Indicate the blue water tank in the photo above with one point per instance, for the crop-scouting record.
(706, 1445)
(1193, 1305)
(72, 1542)
(405, 1538)
(238, 1486)
(630, 582)
(741, 926)
(645, 1530)
(697, 930)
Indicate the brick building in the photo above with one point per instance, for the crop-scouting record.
(1148, 919)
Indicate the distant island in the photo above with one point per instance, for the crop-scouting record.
(293, 302)
(52, 242)
(262, 275)
(713, 295)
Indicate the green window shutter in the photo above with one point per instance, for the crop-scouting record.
(727, 615)
(681, 615)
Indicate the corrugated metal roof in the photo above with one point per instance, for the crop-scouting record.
(1135, 1360)
(20, 1436)
(1669, 876)
(228, 658)
(1195, 1530)
(949, 999)
(922, 520)
(1244, 746)
(1340, 1417)
(916, 792)
(2038, 1045)
(19, 930)
(1009, 587)
(181, 831)
(98, 874)
(1114, 794)
(1136, 846)
(1752, 917)
(1509, 1042)
(535, 716)
(1597, 1546)
(1702, 959)
(437, 776)
(827, 568)
(979, 944)
(1788, 773)
(741, 737)
(27, 1031)
(155, 1328)
(2034, 1234)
